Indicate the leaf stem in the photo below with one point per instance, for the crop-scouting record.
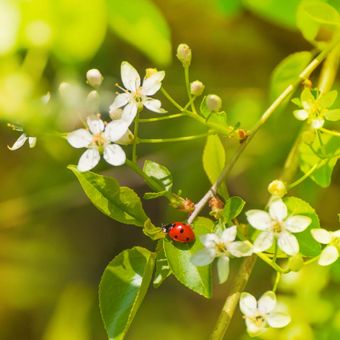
(277, 280)
(331, 132)
(135, 141)
(175, 139)
(156, 119)
(312, 260)
(231, 302)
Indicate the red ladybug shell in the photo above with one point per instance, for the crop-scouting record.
(180, 232)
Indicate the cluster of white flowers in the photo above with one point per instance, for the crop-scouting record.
(101, 137)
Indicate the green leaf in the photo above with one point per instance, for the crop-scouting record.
(163, 270)
(327, 99)
(140, 23)
(279, 12)
(321, 176)
(229, 7)
(122, 289)
(233, 207)
(179, 255)
(308, 246)
(158, 172)
(79, 28)
(153, 195)
(120, 203)
(214, 161)
(312, 15)
(332, 115)
(287, 71)
(150, 230)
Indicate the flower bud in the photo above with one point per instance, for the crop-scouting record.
(94, 77)
(277, 188)
(184, 54)
(196, 88)
(92, 101)
(242, 135)
(213, 102)
(126, 139)
(216, 206)
(295, 263)
(186, 205)
(115, 113)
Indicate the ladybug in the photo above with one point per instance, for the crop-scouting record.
(179, 232)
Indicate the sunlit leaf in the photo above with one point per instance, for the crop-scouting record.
(233, 207)
(122, 289)
(140, 23)
(296, 206)
(158, 172)
(150, 230)
(120, 203)
(287, 71)
(309, 157)
(313, 15)
(163, 270)
(179, 255)
(214, 161)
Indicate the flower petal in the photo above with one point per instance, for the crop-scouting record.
(153, 105)
(153, 83)
(288, 243)
(129, 112)
(223, 268)
(253, 329)
(267, 302)
(259, 219)
(240, 249)
(96, 125)
(114, 154)
(19, 142)
(88, 160)
(248, 304)
(229, 234)
(297, 223)
(119, 101)
(278, 210)
(80, 138)
(317, 123)
(126, 139)
(130, 76)
(321, 235)
(32, 141)
(328, 256)
(278, 320)
(209, 240)
(203, 257)
(301, 114)
(116, 130)
(263, 241)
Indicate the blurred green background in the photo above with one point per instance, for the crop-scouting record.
(54, 244)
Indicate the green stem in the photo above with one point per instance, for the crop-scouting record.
(171, 100)
(187, 85)
(277, 280)
(231, 302)
(175, 139)
(135, 141)
(156, 119)
(314, 259)
(275, 251)
(306, 175)
(331, 132)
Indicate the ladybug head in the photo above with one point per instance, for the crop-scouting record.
(167, 227)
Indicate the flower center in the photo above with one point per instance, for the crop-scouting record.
(259, 320)
(98, 139)
(220, 248)
(336, 243)
(277, 227)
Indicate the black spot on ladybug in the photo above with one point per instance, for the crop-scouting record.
(176, 236)
(181, 231)
(187, 238)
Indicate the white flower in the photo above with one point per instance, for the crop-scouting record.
(332, 238)
(277, 225)
(99, 138)
(261, 314)
(221, 246)
(135, 95)
(21, 141)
